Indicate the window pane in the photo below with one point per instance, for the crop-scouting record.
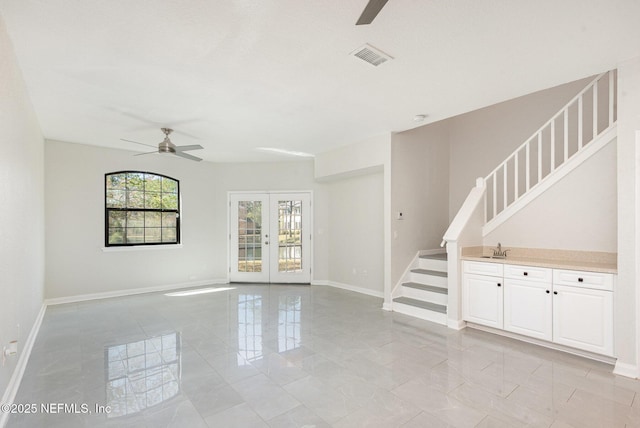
(135, 235)
(153, 234)
(169, 234)
(135, 219)
(169, 201)
(117, 218)
(152, 183)
(152, 219)
(135, 181)
(135, 199)
(153, 200)
(116, 198)
(116, 235)
(169, 185)
(117, 181)
(169, 220)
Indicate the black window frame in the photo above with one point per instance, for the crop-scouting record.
(126, 210)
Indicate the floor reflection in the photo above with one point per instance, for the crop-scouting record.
(289, 323)
(142, 374)
(249, 328)
(257, 319)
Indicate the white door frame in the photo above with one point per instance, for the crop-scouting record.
(307, 236)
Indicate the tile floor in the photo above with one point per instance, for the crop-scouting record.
(300, 356)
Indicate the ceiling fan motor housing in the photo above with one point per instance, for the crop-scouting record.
(166, 146)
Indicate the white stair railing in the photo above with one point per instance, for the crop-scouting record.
(580, 121)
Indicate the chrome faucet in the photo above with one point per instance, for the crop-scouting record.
(498, 252)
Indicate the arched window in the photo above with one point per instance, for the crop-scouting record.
(141, 208)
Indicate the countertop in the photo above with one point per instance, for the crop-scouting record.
(555, 259)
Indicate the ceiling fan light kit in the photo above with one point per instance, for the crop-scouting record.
(166, 146)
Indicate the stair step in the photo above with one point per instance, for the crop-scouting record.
(421, 304)
(430, 272)
(439, 256)
(426, 287)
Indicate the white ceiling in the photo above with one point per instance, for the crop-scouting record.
(235, 75)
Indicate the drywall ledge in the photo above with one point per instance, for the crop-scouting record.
(356, 159)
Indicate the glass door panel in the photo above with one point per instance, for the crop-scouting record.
(290, 259)
(289, 236)
(250, 236)
(248, 241)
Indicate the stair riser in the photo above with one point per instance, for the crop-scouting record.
(428, 279)
(427, 296)
(431, 264)
(421, 313)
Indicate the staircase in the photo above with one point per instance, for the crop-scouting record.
(431, 287)
(423, 293)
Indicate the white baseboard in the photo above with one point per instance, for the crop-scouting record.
(349, 287)
(456, 324)
(586, 354)
(626, 370)
(14, 383)
(132, 291)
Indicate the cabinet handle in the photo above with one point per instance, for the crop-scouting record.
(548, 291)
(526, 273)
(580, 279)
(499, 285)
(555, 292)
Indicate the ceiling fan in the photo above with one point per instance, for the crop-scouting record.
(371, 10)
(166, 146)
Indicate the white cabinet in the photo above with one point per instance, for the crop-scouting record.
(528, 301)
(528, 308)
(482, 302)
(578, 278)
(482, 293)
(583, 317)
(568, 307)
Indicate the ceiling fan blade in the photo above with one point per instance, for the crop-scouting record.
(187, 148)
(135, 142)
(187, 156)
(371, 10)
(146, 153)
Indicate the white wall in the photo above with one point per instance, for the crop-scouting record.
(482, 139)
(577, 213)
(356, 233)
(22, 259)
(420, 190)
(76, 263)
(627, 297)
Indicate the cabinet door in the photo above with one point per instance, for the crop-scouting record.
(482, 303)
(583, 318)
(528, 308)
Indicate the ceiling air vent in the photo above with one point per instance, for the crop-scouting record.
(371, 55)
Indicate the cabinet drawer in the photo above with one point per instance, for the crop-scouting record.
(482, 268)
(577, 278)
(528, 273)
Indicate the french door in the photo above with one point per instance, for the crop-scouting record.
(269, 235)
